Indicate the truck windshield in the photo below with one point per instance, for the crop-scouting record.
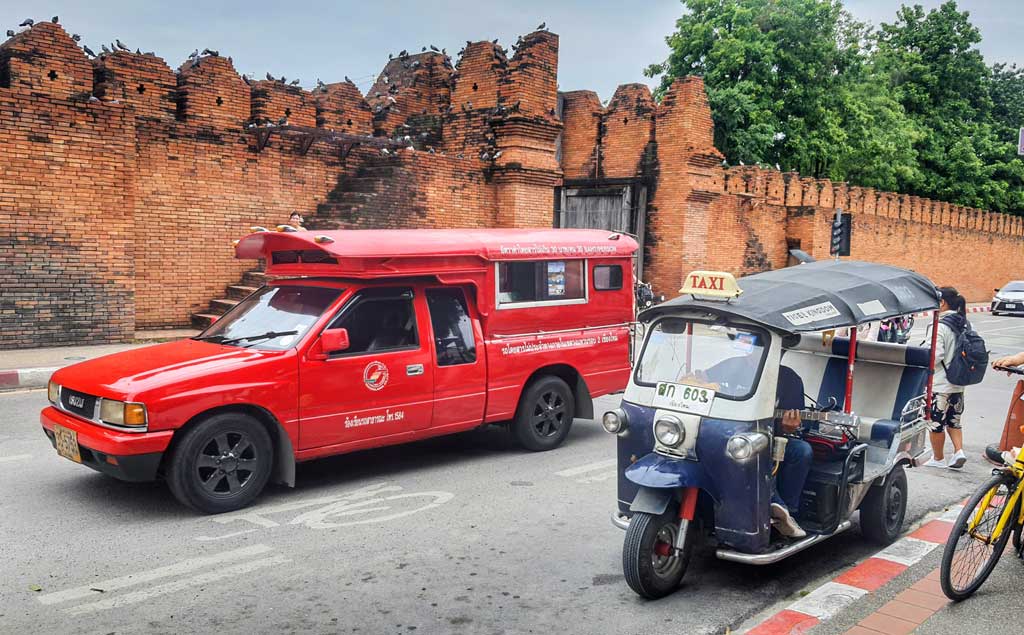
(725, 358)
(273, 318)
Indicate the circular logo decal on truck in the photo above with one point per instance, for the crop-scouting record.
(375, 375)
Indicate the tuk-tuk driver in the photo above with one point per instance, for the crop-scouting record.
(789, 482)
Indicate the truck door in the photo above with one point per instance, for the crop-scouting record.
(460, 379)
(382, 384)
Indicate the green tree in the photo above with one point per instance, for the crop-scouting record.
(1007, 91)
(790, 83)
(945, 87)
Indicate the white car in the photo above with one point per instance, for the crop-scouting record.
(1009, 299)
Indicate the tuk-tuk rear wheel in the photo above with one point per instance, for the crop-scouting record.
(652, 566)
(884, 508)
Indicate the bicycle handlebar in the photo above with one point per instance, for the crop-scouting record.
(1016, 370)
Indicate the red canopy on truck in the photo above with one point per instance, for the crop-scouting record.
(374, 253)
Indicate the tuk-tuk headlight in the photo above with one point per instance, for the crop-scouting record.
(743, 446)
(669, 432)
(614, 421)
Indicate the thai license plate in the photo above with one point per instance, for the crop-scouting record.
(67, 443)
(692, 399)
(1011, 306)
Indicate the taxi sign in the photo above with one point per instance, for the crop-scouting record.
(711, 284)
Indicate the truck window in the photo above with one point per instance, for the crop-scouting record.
(453, 329)
(379, 320)
(607, 277)
(527, 283)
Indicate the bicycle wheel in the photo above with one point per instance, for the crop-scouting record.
(970, 555)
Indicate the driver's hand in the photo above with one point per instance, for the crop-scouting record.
(791, 421)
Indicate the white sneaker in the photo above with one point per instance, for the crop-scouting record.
(933, 462)
(958, 461)
(785, 523)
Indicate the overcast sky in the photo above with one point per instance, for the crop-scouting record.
(603, 42)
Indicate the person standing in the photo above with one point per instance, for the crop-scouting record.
(948, 398)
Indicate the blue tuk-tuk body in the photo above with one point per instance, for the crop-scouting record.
(696, 426)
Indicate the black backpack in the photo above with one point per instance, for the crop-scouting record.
(971, 357)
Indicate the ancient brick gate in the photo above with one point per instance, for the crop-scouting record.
(614, 204)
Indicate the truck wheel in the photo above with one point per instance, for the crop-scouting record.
(221, 464)
(652, 566)
(544, 415)
(883, 509)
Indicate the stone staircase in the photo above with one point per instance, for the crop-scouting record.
(251, 280)
(380, 194)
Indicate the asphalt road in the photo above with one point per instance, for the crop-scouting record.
(463, 534)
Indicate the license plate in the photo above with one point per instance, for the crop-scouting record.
(1010, 306)
(67, 443)
(692, 399)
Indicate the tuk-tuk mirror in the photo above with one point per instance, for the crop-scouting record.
(334, 340)
(673, 326)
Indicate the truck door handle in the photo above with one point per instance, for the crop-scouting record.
(414, 369)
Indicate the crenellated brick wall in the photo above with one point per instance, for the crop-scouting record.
(124, 181)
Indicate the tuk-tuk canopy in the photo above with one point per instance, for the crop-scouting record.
(817, 296)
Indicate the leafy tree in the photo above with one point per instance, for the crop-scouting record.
(943, 83)
(789, 83)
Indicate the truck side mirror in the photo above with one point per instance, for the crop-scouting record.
(334, 340)
(997, 290)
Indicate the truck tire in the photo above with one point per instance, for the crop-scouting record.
(544, 415)
(884, 508)
(653, 568)
(221, 464)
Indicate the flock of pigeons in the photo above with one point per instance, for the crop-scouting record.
(196, 57)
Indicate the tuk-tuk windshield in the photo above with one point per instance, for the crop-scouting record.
(681, 351)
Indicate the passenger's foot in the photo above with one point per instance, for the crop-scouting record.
(994, 456)
(958, 460)
(934, 462)
(785, 523)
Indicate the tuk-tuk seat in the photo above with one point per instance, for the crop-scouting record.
(886, 377)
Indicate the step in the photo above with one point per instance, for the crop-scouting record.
(378, 171)
(240, 291)
(353, 198)
(360, 184)
(203, 320)
(254, 279)
(222, 305)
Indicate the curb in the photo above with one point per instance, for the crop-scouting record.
(829, 599)
(25, 378)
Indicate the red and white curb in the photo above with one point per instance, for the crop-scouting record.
(25, 378)
(832, 597)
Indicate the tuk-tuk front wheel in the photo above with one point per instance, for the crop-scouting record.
(884, 508)
(652, 565)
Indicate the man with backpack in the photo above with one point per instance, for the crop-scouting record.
(960, 361)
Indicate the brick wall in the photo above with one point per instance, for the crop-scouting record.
(125, 181)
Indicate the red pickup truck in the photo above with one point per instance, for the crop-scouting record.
(363, 339)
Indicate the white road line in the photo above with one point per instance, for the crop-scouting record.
(604, 476)
(185, 566)
(590, 467)
(16, 457)
(177, 585)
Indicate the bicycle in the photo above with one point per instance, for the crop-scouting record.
(993, 514)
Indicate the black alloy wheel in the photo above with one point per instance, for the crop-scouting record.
(221, 463)
(544, 415)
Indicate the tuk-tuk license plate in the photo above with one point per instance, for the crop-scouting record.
(692, 399)
(1011, 306)
(67, 443)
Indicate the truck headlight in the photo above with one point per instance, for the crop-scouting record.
(120, 413)
(53, 392)
(743, 446)
(614, 421)
(669, 432)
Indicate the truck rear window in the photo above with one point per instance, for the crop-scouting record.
(526, 283)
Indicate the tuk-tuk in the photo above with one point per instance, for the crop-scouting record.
(698, 444)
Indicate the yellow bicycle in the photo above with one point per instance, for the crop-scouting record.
(992, 514)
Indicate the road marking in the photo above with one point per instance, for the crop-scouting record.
(907, 551)
(185, 566)
(590, 467)
(177, 585)
(16, 457)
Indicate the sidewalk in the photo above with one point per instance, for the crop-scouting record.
(897, 592)
(32, 367)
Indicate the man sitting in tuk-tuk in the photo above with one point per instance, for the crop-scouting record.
(789, 482)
